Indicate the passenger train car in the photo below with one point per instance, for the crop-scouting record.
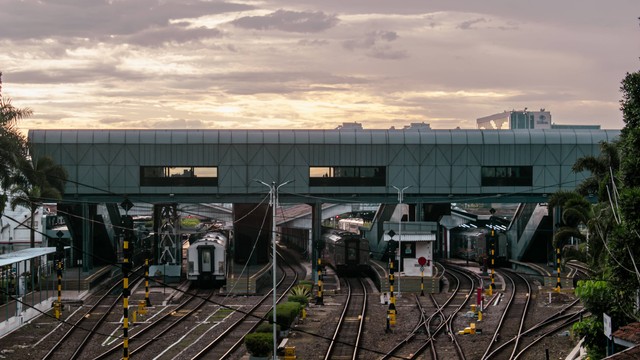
(474, 245)
(351, 225)
(345, 251)
(206, 257)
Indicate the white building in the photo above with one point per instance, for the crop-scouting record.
(516, 119)
(15, 228)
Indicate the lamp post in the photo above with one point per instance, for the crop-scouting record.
(400, 198)
(273, 202)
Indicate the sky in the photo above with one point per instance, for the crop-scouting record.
(309, 64)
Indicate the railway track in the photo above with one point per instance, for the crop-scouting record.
(228, 340)
(88, 323)
(512, 320)
(345, 343)
(438, 325)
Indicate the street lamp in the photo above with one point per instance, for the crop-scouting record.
(273, 202)
(400, 198)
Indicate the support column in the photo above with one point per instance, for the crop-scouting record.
(316, 235)
(87, 236)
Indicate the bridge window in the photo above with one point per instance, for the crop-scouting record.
(347, 176)
(178, 176)
(507, 176)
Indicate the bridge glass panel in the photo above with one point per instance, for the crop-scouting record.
(347, 176)
(507, 176)
(178, 176)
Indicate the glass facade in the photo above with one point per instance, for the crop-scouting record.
(178, 176)
(347, 176)
(507, 175)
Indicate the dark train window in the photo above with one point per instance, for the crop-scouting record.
(507, 175)
(178, 176)
(347, 176)
(352, 251)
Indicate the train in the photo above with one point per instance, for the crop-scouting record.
(207, 259)
(473, 245)
(351, 224)
(346, 252)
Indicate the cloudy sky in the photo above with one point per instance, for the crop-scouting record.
(189, 64)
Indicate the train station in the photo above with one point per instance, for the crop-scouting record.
(212, 205)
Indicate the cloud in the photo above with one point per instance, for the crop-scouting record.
(155, 37)
(99, 20)
(469, 23)
(369, 40)
(290, 21)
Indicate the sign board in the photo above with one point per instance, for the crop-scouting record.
(422, 260)
(606, 319)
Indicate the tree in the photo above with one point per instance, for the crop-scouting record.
(12, 143)
(37, 184)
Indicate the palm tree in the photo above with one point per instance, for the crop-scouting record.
(601, 168)
(35, 185)
(12, 143)
(574, 210)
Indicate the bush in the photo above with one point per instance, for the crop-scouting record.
(259, 344)
(267, 328)
(307, 284)
(285, 314)
(301, 299)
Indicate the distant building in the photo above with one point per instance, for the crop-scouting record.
(516, 119)
(525, 119)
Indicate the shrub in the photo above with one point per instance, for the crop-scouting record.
(286, 314)
(266, 328)
(301, 299)
(301, 290)
(259, 344)
(306, 283)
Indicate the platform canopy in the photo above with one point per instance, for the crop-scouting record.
(26, 254)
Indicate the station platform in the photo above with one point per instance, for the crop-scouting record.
(409, 284)
(23, 304)
(547, 277)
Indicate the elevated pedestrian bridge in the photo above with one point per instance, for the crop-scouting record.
(223, 166)
(346, 166)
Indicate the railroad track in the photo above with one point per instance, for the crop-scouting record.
(88, 323)
(512, 320)
(437, 324)
(228, 340)
(345, 343)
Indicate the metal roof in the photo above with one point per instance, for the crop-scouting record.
(26, 254)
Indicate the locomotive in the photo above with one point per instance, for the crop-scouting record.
(207, 260)
(346, 252)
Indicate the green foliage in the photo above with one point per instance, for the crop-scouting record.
(301, 290)
(189, 223)
(266, 328)
(592, 330)
(259, 344)
(301, 299)
(286, 313)
(596, 296)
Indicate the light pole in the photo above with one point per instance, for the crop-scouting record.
(273, 202)
(400, 198)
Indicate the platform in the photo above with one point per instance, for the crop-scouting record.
(408, 284)
(75, 285)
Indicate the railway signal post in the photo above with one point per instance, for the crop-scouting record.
(127, 235)
(59, 257)
(391, 313)
(492, 241)
(422, 261)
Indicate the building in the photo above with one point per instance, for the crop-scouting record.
(525, 119)
(516, 119)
